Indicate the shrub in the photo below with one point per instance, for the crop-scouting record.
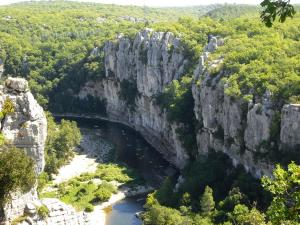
(61, 140)
(43, 211)
(8, 108)
(16, 172)
(89, 208)
(114, 172)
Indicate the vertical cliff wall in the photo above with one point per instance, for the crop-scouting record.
(25, 128)
(149, 63)
(241, 129)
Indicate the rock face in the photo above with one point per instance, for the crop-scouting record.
(290, 127)
(59, 214)
(238, 128)
(151, 61)
(25, 128)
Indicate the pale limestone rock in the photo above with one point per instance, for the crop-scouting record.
(259, 120)
(59, 214)
(225, 124)
(25, 128)
(232, 120)
(152, 60)
(16, 84)
(17, 205)
(212, 45)
(290, 127)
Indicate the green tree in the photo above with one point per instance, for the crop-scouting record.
(186, 199)
(207, 202)
(160, 215)
(243, 216)
(285, 188)
(16, 172)
(276, 8)
(61, 140)
(165, 192)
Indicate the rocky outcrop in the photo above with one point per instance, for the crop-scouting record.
(239, 128)
(151, 61)
(290, 127)
(26, 127)
(59, 214)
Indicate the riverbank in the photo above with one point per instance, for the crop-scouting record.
(93, 151)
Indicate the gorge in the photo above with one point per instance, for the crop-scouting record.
(187, 118)
(236, 127)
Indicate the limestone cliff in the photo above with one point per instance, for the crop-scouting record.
(236, 127)
(150, 62)
(25, 128)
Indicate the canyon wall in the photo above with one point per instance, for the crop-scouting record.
(150, 65)
(240, 129)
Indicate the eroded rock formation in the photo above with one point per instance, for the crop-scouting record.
(26, 128)
(150, 63)
(234, 126)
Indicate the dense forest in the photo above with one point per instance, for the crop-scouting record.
(57, 47)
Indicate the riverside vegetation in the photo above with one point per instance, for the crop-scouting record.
(42, 42)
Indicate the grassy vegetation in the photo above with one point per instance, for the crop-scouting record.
(88, 189)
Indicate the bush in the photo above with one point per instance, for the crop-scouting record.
(104, 192)
(61, 140)
(43, 211)
(114, 172)
(89, 208)
(8, 108)
(17, 172)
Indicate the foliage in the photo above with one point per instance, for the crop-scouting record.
(257, 62)
(178, 101)
(235, 208)
(207, 202)
(7, 108)
(129, 92)
(164, 192)
(43, 211)
(17, 172)
(285, 189)
(242, 215)
(276, 8)
(82, 195)
(114, 172)
(61, 140)
(230, 11)
(43, 180)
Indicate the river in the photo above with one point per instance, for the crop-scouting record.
(130, 148)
